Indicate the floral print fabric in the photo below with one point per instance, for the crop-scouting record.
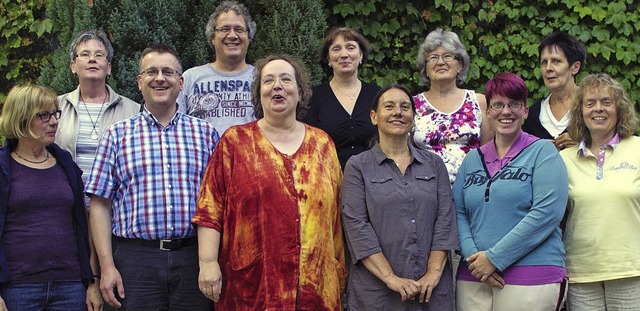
(449, 135)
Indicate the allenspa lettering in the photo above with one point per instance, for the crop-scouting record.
(221, 86)
(480, 177)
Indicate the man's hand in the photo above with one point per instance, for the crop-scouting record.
(111, 280)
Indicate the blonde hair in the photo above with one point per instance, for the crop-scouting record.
(20, 108)
(627, 122)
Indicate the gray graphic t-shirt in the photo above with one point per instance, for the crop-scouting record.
(222, 99)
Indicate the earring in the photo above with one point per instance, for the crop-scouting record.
(360, 62)
(330, 65)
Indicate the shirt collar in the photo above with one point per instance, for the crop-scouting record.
(491, 154)
(613, 143)
(151, 119)
(380, 157)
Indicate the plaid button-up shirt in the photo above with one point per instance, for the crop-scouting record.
(152, 174)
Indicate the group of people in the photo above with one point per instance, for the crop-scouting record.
(242, 186)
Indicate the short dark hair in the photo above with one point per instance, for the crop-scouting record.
(349, 34)
(160, 48)
(507, 84)
(573, 49)
(302, 80)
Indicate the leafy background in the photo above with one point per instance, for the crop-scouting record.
(499, 36)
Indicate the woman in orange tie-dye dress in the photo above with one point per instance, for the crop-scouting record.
(268, 219)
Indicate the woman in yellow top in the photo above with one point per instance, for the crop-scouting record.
(602, 234)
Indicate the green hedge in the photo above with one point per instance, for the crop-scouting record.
(292, 26)
(499, 36)
(24, 36)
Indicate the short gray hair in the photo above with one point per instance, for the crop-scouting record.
(90, 34)
(225, 7)
(448, 40)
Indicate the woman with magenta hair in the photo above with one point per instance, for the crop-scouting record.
(510, 196)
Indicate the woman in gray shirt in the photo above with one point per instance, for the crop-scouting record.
(398, 217)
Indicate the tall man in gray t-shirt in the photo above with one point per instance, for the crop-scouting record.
(220, 92)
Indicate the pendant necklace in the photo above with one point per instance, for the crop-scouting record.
(94, 131)
(351, 97)
(30, 161)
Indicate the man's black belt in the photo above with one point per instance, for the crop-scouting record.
(167, 245)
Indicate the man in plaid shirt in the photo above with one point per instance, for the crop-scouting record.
(143, 186)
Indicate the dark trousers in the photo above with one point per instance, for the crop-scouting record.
(156, 279)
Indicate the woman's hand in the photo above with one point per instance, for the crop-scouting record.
(564, 141)
(428, 282)
(3, 307)
(407, 288)
(94, 297)
(480, 266)
(210, 280)
(495, 280)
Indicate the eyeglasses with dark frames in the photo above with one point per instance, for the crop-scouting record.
(45, 116)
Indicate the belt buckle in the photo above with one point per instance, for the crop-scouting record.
(162, 245)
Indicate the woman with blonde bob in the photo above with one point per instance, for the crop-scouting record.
(45, 252)
(602, 234)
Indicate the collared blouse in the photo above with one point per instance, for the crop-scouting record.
(403, 216)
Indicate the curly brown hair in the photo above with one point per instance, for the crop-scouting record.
(302, 80)
(627, 122)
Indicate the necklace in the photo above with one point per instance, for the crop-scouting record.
(400, 158)
(94, 131)
(34, 162)
(351, 97)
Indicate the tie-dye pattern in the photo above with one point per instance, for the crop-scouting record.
(281, 245)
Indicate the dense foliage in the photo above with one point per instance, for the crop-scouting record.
(294, 27)
(24, 35)
(499, 35)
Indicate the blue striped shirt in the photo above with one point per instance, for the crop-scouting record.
(152, 174)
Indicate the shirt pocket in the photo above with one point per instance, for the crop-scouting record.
(427, 183)
(382, 185)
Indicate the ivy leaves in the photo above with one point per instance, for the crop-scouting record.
(499, 35)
